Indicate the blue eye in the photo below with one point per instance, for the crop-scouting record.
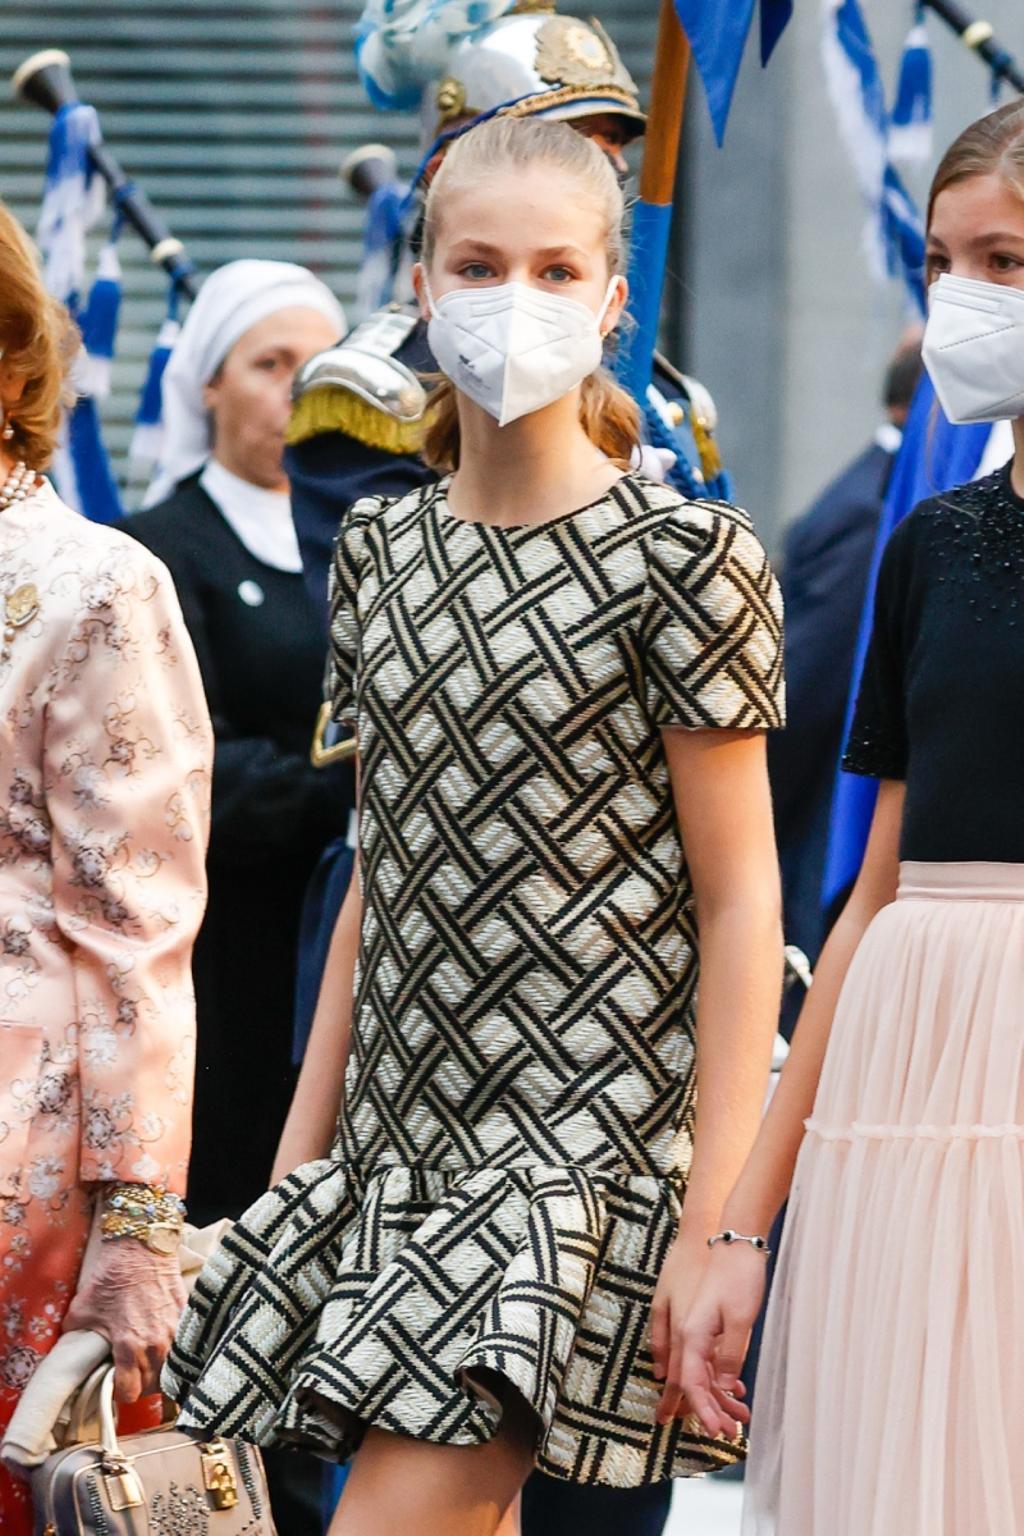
(559, 274)
(476, 271)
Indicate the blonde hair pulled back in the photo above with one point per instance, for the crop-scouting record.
(38, 340)
(608, 415)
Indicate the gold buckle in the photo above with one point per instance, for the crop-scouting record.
(218, 1475)
(124, 1490)
(320, 755)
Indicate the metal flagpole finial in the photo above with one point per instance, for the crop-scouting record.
(977, 33)
(45, 78)
(980, 36)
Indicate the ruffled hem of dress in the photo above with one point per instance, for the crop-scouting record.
(397, 1298)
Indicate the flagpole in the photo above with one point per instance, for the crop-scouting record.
(980, 36)
(45, 79)
(652, 215)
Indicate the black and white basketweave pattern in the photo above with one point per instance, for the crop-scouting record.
(519, 1095)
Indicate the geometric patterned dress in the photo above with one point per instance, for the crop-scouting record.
(515, 1136)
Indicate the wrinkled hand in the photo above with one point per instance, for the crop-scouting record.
(715, 1336)
(134, 1298)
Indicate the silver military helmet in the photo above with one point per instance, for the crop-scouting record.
(542, 65)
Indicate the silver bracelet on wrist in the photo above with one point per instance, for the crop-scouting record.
(729, 1236)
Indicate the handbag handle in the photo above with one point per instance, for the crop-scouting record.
(109, 1443)
(108, 1420)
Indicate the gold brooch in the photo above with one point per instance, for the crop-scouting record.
(20, 608)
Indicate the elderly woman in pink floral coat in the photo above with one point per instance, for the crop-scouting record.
(105, 750)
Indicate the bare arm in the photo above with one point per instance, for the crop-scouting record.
(764, 1182)
(309, 1128)
(720, 784)
(718, 1328)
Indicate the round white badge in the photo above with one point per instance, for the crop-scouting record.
(252, 593)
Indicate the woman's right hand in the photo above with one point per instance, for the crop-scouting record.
(716, 1335)
(135, 1299)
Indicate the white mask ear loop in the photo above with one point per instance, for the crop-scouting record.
(431, 306)
(609, 295)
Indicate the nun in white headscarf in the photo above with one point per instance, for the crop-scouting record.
(218, 514)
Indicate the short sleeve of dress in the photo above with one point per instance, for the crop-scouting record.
(877, 745)
(343, 598)
(711, 642)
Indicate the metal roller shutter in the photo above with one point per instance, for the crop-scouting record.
(235, 117)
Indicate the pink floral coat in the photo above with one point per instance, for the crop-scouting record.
(105, 759)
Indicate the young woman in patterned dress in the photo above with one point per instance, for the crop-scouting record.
(890, 1389)
(560, 675)
(105, 752)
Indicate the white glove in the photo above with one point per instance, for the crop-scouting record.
(654, 463)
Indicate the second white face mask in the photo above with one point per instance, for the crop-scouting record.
(514, 349)
(974, 349)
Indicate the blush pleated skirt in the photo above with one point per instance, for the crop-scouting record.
(890, 1395)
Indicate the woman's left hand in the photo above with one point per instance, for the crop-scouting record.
(135, 1299)
(715, 1336)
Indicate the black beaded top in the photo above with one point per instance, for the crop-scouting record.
(940, 703)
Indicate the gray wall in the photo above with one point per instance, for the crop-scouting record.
(785, 323)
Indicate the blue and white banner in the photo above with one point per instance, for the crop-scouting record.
(98, 323)
(148, 436)
(74, 198)
(382, 248)
(895, 229)
(404, 45)
(717, 31)
(910, 132)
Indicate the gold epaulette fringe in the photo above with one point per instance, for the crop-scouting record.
(337, 410)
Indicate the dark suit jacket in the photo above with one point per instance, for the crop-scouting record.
(261, 652)
(826, 563)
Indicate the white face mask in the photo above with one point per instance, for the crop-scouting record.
(974, 349)
(514, 349)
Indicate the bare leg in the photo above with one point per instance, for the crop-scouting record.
(401, 1485)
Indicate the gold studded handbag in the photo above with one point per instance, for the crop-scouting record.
(158, 1483)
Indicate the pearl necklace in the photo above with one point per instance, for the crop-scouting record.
(19, 483)
(21, 606)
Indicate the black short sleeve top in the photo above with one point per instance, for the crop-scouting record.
(938, 704)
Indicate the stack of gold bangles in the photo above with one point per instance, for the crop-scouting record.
(144, 1211)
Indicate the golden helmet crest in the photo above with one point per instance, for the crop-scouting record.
(540, 64)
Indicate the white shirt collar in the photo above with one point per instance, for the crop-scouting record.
(262, 519)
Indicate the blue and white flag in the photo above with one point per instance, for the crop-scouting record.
(404, 45)
(910, 132)
(895, 229)
(382, 241)
(98, 323)
(148, 436)
(73, 200)
(717, 31)
(934, 456)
